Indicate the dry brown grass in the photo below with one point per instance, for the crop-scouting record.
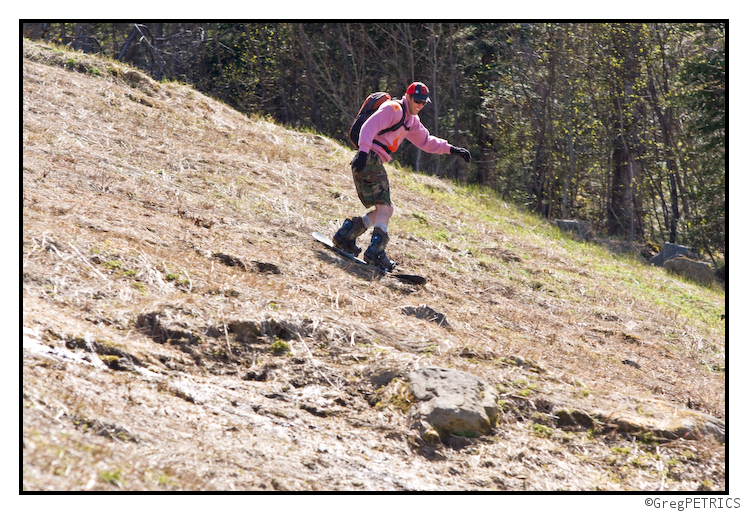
(131, 188)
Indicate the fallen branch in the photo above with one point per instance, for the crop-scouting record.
(87, 264)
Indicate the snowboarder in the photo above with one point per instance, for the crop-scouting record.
(375, 147)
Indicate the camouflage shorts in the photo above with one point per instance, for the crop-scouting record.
(372, 184)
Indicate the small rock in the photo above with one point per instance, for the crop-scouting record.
(280, 485)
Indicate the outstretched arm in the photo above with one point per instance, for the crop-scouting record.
(420, 136)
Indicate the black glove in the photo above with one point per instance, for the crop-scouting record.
(456, 150)
(359, 161)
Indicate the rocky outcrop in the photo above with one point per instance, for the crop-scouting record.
(644, 419)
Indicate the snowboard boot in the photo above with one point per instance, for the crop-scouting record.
(375, 254)
(345, 237)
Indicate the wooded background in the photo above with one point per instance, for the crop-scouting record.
(622, 124)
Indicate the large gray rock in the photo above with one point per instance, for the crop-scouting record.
(448, 401)
(695, 270)
(670, 251)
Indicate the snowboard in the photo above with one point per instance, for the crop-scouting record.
(408, 279)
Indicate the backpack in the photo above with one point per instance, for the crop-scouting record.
(369, 107)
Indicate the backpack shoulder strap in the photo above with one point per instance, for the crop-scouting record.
(397, 125)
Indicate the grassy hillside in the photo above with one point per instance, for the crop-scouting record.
(184, 332)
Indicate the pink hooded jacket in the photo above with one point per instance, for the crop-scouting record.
(388, 115)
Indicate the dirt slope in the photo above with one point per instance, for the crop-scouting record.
(182, 331)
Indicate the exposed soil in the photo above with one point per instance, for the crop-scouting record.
(183, 331)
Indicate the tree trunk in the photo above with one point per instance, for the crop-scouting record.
(620, 191)
(281, 82)
(432, 91)
(158, 41)
(133, 34)
(306, 52)
(455, 106)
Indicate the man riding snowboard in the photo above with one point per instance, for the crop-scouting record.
(375, 146)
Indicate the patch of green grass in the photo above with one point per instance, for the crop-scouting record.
(541, 430)
(113, 265)
(420, 218)
(113, 477)
(440, 235)
(430, 349)
(279, 347)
